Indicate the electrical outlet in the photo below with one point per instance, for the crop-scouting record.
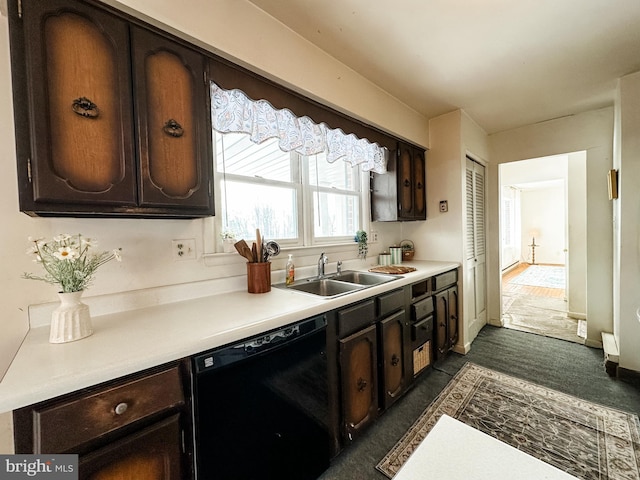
(183, 249)
(444, 206)
(373, 237)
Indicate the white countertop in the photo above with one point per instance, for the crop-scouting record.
(483, 458)
(136, 339)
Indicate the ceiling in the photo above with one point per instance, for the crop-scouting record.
(507, 63)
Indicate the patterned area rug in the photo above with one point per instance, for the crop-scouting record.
(541, 276)
(584, 439)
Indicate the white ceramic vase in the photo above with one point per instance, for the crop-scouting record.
(227, 245)
(71, 320)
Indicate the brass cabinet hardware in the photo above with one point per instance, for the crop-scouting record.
(85, 108)
(173, 128)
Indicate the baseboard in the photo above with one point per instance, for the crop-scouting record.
(626, 373)
(577, 316)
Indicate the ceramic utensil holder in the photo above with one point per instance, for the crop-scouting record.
(259, 277)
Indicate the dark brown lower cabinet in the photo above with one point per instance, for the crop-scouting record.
(359, 380)
(447, 329)
(151, 454)
(134, 428)
(393, 335)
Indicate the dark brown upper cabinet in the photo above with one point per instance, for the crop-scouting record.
(400, 194)
(112, 119)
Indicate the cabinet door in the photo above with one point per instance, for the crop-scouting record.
(442, 315)
(405, 182)
(393, 340)
(419, 186)
(358, 368)
(79, 105)
(452, 319)
(152, 454)
(172, 111)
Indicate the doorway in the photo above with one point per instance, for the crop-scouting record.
(542, 221)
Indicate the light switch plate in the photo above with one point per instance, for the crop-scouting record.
(444, 206)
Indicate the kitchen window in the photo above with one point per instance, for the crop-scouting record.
(294, 199)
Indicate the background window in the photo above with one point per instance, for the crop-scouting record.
(294, 199)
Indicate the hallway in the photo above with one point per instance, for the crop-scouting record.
(538, 306)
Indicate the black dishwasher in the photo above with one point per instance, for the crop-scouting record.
(261, 406)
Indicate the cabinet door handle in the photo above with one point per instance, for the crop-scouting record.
(362, 384)
(85, 108)
(121, 408)
(407, 183)
(173, 128)
(419, 186)
(395, 360)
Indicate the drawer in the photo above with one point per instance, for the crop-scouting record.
(352, 319)
(421, 288)
(62, 427)
(421, 309)
(444, 280)
(422, 331)
(390, 302)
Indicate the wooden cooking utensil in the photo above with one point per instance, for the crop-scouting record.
(244, 250)
(259, 246)
(254, 252)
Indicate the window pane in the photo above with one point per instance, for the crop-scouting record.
(249, 206)
(243, 157)
(337, 214)
(339, 174)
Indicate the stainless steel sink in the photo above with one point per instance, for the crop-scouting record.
(333, 285)
(363, 278)
(323, 287)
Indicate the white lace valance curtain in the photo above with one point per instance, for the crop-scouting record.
(233, 111)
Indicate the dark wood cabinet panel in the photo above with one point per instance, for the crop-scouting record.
(453, 324)
(151, 454)
(134, 428)
(359, 380)
(393, 339)
(400, 194)
(173, 132)
(112, 117)
(79, 99)
(446, 305)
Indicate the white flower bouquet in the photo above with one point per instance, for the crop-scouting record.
(69, 261)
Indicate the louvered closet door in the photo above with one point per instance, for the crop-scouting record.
(475, 297)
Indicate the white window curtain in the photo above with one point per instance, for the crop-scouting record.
(233, 111)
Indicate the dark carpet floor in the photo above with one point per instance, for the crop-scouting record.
(568, 367)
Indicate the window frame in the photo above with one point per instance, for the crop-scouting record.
(306, 216)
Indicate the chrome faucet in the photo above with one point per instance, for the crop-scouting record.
(339, 267)
(322, 261)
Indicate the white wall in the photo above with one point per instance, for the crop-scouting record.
(627, 225)
(590, 131)
(237, 29)
(576, 233)
(543, 213)
(453, 136)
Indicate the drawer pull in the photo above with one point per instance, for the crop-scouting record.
(362, 384)
(121, 408)
(395, 360)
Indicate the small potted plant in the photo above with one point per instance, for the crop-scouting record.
(228, 239)
(363, 248)
(69, 261)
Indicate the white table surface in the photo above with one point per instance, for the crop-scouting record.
(455, 451)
